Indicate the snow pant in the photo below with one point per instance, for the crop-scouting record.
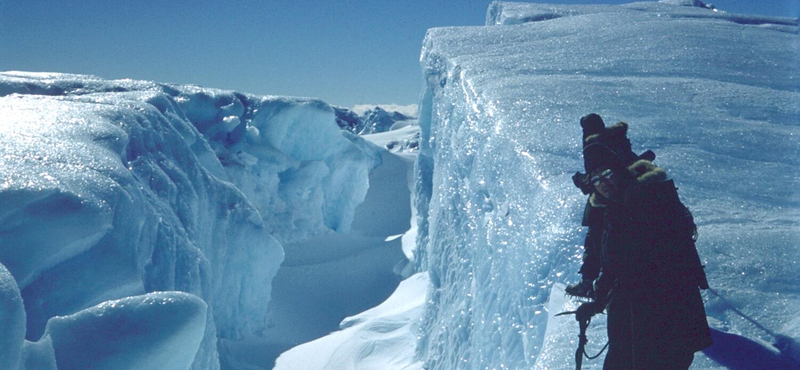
(640, 336)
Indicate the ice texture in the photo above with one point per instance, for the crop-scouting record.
(509, 13)
(12, 321)
(39, 355)
(715, 95)
(334, 275)
(160, 330)
(117, 188)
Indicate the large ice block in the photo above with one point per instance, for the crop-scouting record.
(715, 95)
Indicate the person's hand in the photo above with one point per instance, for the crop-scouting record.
(586, 311)
(583, 289)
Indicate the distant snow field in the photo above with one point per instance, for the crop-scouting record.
(156, 226)
(406, 110)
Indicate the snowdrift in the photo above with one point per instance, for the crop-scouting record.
(114, 189)
(715, 95)
(382, 337)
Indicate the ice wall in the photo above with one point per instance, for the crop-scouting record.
(117, 188)
(714, 95)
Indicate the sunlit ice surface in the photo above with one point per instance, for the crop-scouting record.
(716, 96)
(116, 188)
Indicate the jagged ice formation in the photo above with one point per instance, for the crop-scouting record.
(113, 189)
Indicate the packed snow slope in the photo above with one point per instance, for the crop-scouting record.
(114, 189)
(715, 95)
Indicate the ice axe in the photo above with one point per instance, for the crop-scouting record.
(583, 323)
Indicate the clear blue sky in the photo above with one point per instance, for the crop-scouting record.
(345, 52)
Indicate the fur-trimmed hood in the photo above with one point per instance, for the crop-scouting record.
(610, 133)
(643, 171)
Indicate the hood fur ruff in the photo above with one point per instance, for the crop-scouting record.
(598, 201)
(618, 130)
(644, 171)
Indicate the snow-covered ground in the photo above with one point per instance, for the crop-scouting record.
(148, 225)
(381, 338)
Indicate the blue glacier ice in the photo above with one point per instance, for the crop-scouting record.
(161, 330)
(114, 189)
(12, 320)
(715, 95)
(146, 224)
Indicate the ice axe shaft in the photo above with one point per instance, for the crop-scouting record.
(582, 339)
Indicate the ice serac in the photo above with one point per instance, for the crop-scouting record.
(154, 331)
(714, 95)
(117, 188)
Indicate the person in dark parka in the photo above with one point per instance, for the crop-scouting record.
(650, 270)
(614, 137)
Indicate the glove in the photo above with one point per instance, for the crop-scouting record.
(583, 289)
(586, 311)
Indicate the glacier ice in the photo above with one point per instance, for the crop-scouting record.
(12, 320)
(117, 188)
(157, 330)
(715, 95)
(113, 189)
(335, 275)
(161, 330)
(39, 355)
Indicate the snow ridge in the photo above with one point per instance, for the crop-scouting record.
(510, 13)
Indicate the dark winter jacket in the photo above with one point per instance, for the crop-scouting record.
(651, 272)
(592, 253)
(615, 139)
